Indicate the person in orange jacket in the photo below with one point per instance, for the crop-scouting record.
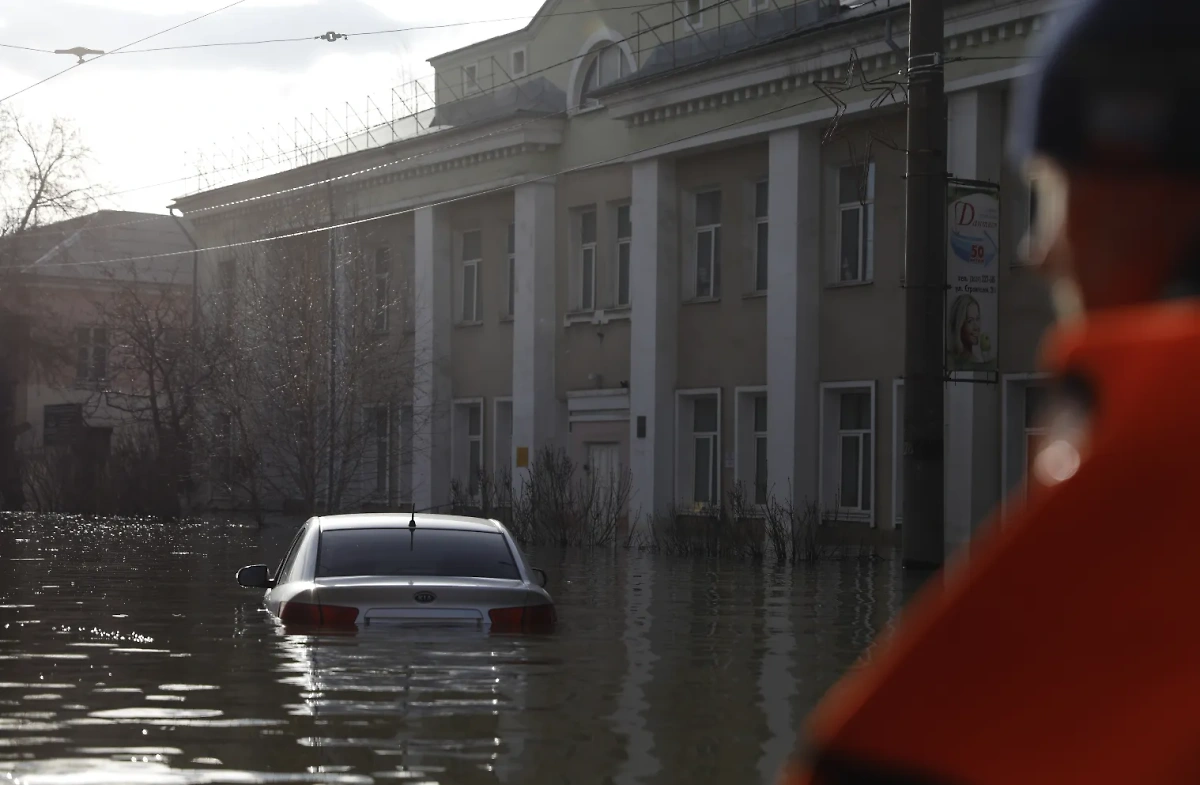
(1067, 650)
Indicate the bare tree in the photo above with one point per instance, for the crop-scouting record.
(319, 370)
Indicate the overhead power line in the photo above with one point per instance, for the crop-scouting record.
(506, 129)
(121, 48)
(370, 219)
(333, 36)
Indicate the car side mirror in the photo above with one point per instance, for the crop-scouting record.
(256, 576)
(542, 580)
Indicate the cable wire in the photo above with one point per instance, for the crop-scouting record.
(444, 148)
(120, 48)
(441, 203)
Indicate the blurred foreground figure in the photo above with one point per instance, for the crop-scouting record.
(1067, 651)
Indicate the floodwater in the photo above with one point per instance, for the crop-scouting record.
(128, 654)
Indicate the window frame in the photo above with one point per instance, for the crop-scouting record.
(505, 461)
(747, 436)
(694, 19)
(474, 264)
(685, 448)
(759, 5)
(470, 84)
(866, 228)
(897, 453)
(512, 64)
(585, 278)
(622, 246)
(91, 354)
(1012, 407)
(461, 443)
(829, 452)
(713, 231)
(763, 220)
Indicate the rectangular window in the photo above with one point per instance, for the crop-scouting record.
(91, 354)
(381, 289)
(470, 78)
(693, 12)
(705, 429)
(623, 254)
(472, 254)
(379, 422)
(423, 552)
(708, 244)
(856, 186)
(760, 236)
(759, 5)
(854, 448)
(512, 270)
(587, 261)
(760, 449)
(517, 63)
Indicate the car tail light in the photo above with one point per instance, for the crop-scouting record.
(306, 614)
(529, 618)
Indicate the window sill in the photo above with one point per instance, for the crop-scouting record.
(755, 295)
(701, 300)
(848, 284)
(598, 316)
(506, 319)
(476, 323)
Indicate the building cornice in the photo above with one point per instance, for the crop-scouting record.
(965, 32)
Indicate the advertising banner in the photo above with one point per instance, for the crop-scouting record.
(972, 273)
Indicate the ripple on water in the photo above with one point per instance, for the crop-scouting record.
(105, 771)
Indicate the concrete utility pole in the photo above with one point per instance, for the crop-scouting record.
(925, 275)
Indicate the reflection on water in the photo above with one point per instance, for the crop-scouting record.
(128, 654)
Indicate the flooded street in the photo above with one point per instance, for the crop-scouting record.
(128, 654)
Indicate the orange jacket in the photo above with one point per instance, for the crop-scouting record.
(1068, 649)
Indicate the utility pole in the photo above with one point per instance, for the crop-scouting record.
(925, 275)
(333, 367)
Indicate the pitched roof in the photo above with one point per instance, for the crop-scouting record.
(73, 248)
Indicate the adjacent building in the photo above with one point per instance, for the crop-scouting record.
(672, 240)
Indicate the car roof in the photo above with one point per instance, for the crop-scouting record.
(392, 520)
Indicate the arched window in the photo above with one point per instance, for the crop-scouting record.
(605, 65)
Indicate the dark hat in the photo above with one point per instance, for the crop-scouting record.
(1116, 86)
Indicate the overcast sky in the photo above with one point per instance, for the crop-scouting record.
(146, 115)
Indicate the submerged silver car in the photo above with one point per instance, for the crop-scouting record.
(348, 571)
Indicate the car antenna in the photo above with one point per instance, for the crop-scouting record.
(412, 522)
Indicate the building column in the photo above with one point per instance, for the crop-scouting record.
(535, 406)
(654, 281)
(432, 395)
(974, 151)
(793, 301)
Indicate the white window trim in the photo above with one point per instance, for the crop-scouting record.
(693, 291)
(756, 222)
(369, 411)
(618, 242)
(821, 458)
(685, 14)
(576, 306)
(897, 452)
(470, 85)
(524, 51)
(456, 447)
(745, 475)
(1016, 382)
(462, 279)
(683, 480)
(586, 277)
(867, 250)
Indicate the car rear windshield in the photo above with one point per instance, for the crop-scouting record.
(442, 553)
